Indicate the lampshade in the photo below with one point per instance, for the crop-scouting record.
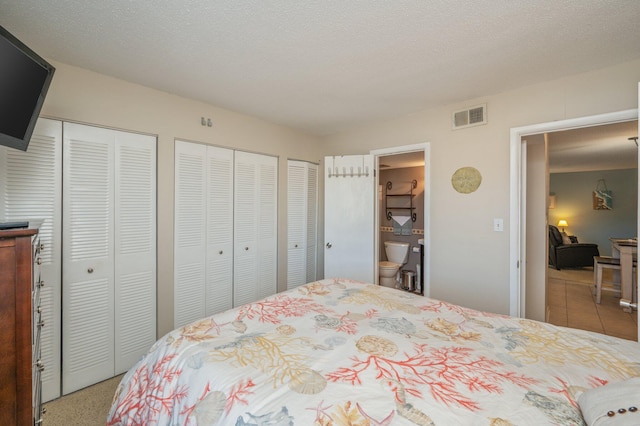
(562, 223)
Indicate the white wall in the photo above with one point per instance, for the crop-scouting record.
(469, 261)
(575, 205)
(80, 95)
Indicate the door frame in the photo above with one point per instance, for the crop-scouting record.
(377, 153)
(518, 185)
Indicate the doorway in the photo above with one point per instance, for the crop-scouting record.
(397, 167)
(400, 201)
(522, 262)
(579, 161)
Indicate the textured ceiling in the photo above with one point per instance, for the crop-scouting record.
(594, 148)
(326, 66)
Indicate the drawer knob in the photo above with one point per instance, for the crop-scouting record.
(220, 252)
(90, 270)
(246, 248)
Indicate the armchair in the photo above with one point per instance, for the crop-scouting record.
(573, 255)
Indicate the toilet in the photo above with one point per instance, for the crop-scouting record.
(397, 253)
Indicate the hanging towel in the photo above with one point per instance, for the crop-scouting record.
(402, 225)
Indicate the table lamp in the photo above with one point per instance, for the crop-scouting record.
(562, 224)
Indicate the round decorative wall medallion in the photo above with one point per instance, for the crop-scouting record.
(466, 180)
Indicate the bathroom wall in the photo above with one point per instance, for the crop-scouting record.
(401, 183)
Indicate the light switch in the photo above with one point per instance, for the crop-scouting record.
(498, 225)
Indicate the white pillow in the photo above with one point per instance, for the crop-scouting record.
(565, 238)
(596, 403)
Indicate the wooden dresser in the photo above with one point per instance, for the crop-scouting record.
(20, 324)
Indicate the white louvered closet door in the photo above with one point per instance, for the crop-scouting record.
(109, 247)
(296, 224)
(312, 222)
(135, 247)
(267, 216)
(302, 216)
(219, 250)
(255, 227)
(190, 232)
(31, 188)
(88, 261)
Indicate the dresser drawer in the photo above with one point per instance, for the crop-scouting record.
(36, 327)
(37, 336)
(38, 410)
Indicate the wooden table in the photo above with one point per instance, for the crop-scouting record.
(624, 249)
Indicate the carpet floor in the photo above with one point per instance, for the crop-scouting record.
(86, 407)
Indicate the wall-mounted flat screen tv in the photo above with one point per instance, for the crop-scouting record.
(24, 81)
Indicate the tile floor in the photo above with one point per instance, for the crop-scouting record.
(571, 303)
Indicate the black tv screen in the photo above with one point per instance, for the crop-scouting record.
(24, 81)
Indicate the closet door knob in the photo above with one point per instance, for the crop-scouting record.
(220, 252)
(90, 270)
(329, 245)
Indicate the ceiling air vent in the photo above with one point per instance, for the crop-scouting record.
(473, 116)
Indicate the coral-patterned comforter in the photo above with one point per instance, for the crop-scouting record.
(338, 352)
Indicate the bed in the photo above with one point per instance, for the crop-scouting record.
(340, 352)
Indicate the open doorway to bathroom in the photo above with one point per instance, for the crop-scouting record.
(401, 218)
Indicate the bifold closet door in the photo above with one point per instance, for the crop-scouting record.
(219, 230)
(225, 241)
(312, 223)
(190, 225)
(302, 201)
(31, 188)
(255, 227)
(88, 262)
(109, 247)
(203, 240)
(135, 248)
